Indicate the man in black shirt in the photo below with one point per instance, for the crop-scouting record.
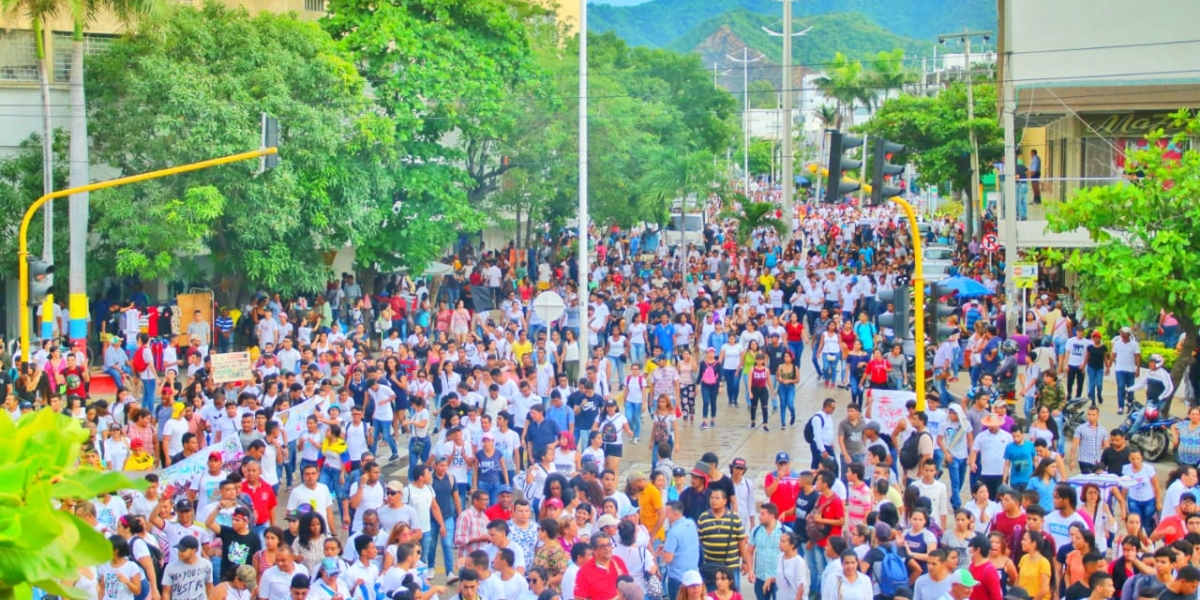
(806, 501)
(1092, 563)
(1187, 580)
(718, 480)
(1116, 455)
(586, 404)
(695, 497)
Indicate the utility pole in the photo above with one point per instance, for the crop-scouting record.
(789, 168)
(584, 272)
(1010, 195)
(745, 61)
(970, 212)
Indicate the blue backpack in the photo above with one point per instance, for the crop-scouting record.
(892, 573)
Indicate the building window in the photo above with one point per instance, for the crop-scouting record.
(18, 56)
(93, 43)
(314, 5)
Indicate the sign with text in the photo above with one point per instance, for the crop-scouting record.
(291, 421)
(1025, 275)
(887, 407)
(179, 476)
(231, 366)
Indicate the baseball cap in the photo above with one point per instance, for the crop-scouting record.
(691, 577)
(243, 512)
(1126, 330)
(555, 502)
(188, 542)
(1187, 497)
(607, 521)
(330, 566)
(504, 489)
(591, 467)
(215, 454)
(134, 443)
(961, 577)
(395, 485)
(183, 505)
(737, 463)
(610, 402)
(873, 426)
(678, 472)
(782, 457)
(883, 531)
(293, 515)
(635, 475)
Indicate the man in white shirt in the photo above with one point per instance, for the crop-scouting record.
(1124, 360)
(989, 448)
(385, 416)
(276, 582)
(313, 493)
(394, 509)
(367, 493)
(288, 357)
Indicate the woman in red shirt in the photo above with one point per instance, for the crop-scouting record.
(795, 336)
(877, 371)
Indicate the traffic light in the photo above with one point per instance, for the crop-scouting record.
(936, 310)
(270, 139)
(884, 170)
(839, 144)
(901, 315)
(41, 280)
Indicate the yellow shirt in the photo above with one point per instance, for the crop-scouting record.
(519, 350)
(139, 461)
(649, 503)
(648, 369)
(767, 280)
(1031, 574)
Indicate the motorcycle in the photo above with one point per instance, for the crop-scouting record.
(1074, 414)
(1148, 429)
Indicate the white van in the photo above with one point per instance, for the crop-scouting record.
(685, 228)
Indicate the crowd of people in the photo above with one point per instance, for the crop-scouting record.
(524, 451)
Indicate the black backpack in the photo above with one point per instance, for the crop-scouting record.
(810, 435)
(910, 453)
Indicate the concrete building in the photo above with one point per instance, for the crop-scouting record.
(1090, 79)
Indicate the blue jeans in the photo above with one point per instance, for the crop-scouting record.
(1147, 512)
(797, 349)
(1095, 383)
(429, 544)
(787, 402)
(492, 489)
(148, 387)
(637, 354)
(1170, 335)
(619, 364)
(116, 375)
(958, 470)
(1022, 205)
(332, 478)
(856, 391)
(1124, 380)
(673, 587)
(633, 414)
(816, 559)
(383, 429)
(708, 396)
(762, 594)
(417, 458)
(829, 367)
(733, 378)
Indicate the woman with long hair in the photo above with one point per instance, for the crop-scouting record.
(309, 546)
(709, 374)
(1044, 479)
(1186, 438)
(1092, 504)
(663, 424)
(687, 367)
(1000, 558)
(265, 559)
(981, 507)
(639, 560)
(723, 580)
(1034, 571)
(1083, 542)
(126, 574)
(849, 583)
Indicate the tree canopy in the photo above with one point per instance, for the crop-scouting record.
(197, 84)
(1146, 236)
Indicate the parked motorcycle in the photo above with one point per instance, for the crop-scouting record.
(1148, 429)
(1074, 414)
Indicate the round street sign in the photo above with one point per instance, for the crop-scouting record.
(991, 243)
(549, 306)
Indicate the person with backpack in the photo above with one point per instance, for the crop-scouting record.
(143, 366)
(917, 448)
(819, 433)
(144, 552)
(613, 426)
(664, 429)
(887, 562)
(708, 376)
(636, 388)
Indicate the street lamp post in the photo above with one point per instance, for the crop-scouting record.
(745, 62)
(789, 171)
(970, 211)
(582, 281)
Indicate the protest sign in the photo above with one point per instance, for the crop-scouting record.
(291, 421)
(177, 477)
(231, 366)
(887, 407)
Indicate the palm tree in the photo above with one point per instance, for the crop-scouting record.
(754, 216)
(828, 115)
(681, 177)
(844, 82)
(127, 12)
(888, 72)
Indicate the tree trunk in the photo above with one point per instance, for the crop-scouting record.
(47, 141)
(78, 218)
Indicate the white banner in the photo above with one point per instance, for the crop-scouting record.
(180, 475)
(887, 407)
(292, 420)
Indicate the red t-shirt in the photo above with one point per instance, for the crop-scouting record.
(496, 512)
(263, 498)
(831, 508)
(595, 583)
(989, 582)
(786, 493)
(877, 370)
(795, 332)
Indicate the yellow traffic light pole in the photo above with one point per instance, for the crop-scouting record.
(918, 282)
(23, 251)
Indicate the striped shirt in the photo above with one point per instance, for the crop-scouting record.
(1091, 442)
(720, 537)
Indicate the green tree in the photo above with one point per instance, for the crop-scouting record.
(845, 82)
(763, 94)
(889, 73)
(20, 185)
(437, 69)
(40, 543)
(934, 132)
(1145, 238)
(752, 217)
(760, 156)
(194, 89)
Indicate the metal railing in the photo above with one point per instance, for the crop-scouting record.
(1051, 190)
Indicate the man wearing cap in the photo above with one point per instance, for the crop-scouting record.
(186, 576)
(988, 448)
(962, 586)
(206, 488)
(1172, 527)
(394, 510)
(783, 486)
(1124, 361)
(329, 584)
(651, 509)
(695, 497)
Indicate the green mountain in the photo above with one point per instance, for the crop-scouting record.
(853, 34)
(658, 23)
